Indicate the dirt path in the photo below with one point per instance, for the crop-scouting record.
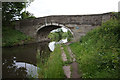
(71, 54)
(75, 74)
(73, 65)
(64, 58)
(66, 69)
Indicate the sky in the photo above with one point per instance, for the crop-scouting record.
(42, 8)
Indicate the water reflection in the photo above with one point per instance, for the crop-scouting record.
(30, 69)
(62, 41)
(21, 61)
(52, 44)
(25, 61)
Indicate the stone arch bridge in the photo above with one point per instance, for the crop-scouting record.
(39, 28)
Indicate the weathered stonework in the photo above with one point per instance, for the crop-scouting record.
(39, 28)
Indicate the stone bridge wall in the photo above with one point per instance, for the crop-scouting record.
(79, 24)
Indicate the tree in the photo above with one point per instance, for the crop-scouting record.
(70, 36)
(65, 34)
(26, 14)
(60, 32)
(11, 11)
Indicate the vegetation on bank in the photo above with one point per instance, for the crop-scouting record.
(52, 68)
(58, 35)
(67, 53)
(11, 12)
(98, 52)
(11, 37)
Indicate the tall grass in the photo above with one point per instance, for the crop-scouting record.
(67, 52)
(53, 67)
(98, 53)
(12, 37)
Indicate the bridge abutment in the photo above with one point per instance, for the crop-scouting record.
(79, 24)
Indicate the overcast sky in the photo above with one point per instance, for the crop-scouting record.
(42, 8)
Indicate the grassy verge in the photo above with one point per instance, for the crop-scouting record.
(98, 53)
(53, 67)
(67, 53)
(11, 37)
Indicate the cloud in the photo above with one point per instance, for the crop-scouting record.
(71, 7)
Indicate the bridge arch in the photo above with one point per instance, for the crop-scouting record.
(43, 31)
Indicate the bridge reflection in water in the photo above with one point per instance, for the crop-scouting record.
(21, 61)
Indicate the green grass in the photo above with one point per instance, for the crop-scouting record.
(53, 67)
(98, 52)
(11, 37)
(67, 53)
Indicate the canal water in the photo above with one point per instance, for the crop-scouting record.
(22, 61)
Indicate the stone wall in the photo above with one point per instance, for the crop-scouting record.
(78, 24)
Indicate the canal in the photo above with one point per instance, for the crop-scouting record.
(22, 61)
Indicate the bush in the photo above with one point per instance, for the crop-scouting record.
(12, 37)
(98, 52)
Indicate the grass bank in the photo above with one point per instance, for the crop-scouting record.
(11, 37)
(53, 67)
(98, 52)
(66, 52)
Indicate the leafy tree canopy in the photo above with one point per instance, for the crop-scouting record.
(13, 10)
